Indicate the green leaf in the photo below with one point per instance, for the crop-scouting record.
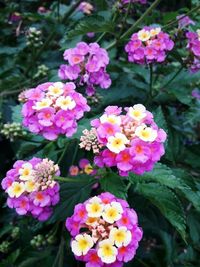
(160, 174)
(167, 202)
(160, 119)
(113, 183)
(71, 193)
(16, 113)
(91, 24)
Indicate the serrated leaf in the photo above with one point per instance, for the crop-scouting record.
(160, 119)
(113, 183)
(71, 193)
(160, 174)
(167, 202)
(91, 24)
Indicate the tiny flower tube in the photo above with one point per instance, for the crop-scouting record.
(86, 66)
(104, 231)
(130, 140)
(53, 109)
(149, 45)
(31, 188)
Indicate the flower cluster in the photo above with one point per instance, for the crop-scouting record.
(194, 49)
(51, 109)
(86, 63)
(13, 130)
(104, 231)
(124, 2)
(84, 167)
(42, 71)
(149, 45)
(131, 142)
(31, 188)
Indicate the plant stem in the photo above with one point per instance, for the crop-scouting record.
(132, 28)
(62, 154)
(67, 179)
(150, 93)
(175, 21)
(173, 77)
(128, 186)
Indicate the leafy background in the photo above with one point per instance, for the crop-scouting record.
(167, 199)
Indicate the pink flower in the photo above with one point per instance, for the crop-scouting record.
(149, 45)
(39, 192)
(73, 171)
(132, 142)
(22, 205)
(52, 109)
(46, 116)
(83, 163)
(81, 214)
(86, 62)
(123, 160)
(92, 259)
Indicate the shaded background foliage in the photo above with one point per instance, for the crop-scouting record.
(167, 199)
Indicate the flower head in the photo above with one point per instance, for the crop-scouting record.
(51, 109)
(149, 45)
(32, 189)
(99, 238)
(86, 64)
(130, 141)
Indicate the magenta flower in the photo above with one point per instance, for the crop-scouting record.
(87, 66)
(52, 109)
(130, 141)
(149, 45)
(31, 189)
(107, 240)
(46, 116)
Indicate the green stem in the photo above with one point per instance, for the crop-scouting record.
(173, 77)
(175, 21)
(150, 93)
(128, 186)
(134, 26)
(67, 179)
(62, 154)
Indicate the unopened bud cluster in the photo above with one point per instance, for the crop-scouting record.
(13, 130)
(4, 247)
(94, 100)
(39, 240)
(34, 37)
(42, 71)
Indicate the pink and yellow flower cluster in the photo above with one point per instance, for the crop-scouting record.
(52, 109)
(132, 142)
(87, 66)
(104, 231)
(31, 188)
(149, 45)
(84, 168)
(194, 49)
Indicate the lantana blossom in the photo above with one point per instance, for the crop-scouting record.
(52, 109)
(130, 141)
(149, 45)
(31, 188)
(104, 231)
(86, 66)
